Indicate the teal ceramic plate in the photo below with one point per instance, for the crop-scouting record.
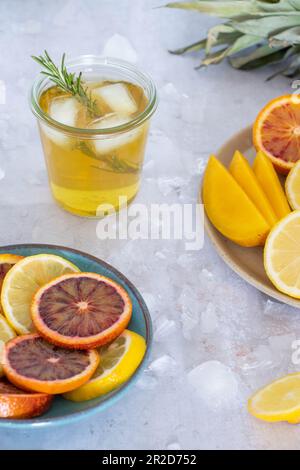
(63, 411)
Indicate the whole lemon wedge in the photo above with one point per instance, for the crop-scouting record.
(118, 362)
(229, 208)
(278, 401)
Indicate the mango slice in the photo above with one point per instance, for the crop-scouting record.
(229, 208)
(269, 181)
(245, 177)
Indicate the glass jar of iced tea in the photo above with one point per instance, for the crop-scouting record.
(95, 156)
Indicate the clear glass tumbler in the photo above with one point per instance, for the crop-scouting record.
(98, 160)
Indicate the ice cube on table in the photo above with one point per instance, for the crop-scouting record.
(215, 383)
(164, 366)
(119, 46)
(64, 111)
(109, 143)
(117, 97)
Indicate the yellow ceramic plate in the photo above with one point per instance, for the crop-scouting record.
(246, 262)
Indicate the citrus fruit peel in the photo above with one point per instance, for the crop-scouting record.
(7, 261)
(276, 132)
(17, 404)
(119, 361)
(22, 282)
(81, 311)
(6, 334)
(282, 255)
(278, 401)
(29, 362)
(229, 208)
(292, 186)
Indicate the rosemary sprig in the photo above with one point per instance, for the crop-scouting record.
(69, 82)
(111, 162)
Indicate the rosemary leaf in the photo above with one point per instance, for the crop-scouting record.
(67, 81)
(112, 162)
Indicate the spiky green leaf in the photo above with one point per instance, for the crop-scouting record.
(264, 27)
(196, 46)
(262, 55)
(214, 34)
(295, 4)
(223, 9)
(275, 7)
(287, 37)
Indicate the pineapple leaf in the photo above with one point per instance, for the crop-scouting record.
(295, 4)
(223, 9)
(278, 6)
(263, 55)
(264, 27)
(196, 46)
(214, 58)
(214, 33)
(289, 36)
(243, 43)
(257, 33)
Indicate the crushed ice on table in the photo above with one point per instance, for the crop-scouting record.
(167, 185)
(160, 255)
(148, 166)
(151, 301)
(259, 358)
(12, 136)
(163, 366)
(214, 383)
(170, 92)
(185, 260)
(119, 47)
(159, 140)
(188, 304)
(207, 274)
(169, 89)
(209, 319)
(271, 307)
(281, 346)
(33, 180)
(174, 446)
(199, 166)
(164, 328)
(147, 381)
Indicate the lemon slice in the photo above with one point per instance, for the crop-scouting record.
(7, 261)
(118, 362)
(282, 255)
(6, 333)
(292, 186)
(23, 281)
(278, 401)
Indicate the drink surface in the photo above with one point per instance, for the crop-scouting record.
(87, 171)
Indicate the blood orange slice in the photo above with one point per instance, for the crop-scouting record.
(17, 404)
(276, 132)
(31, 363)
(81, 311)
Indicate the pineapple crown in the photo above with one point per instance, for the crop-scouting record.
(254, 34)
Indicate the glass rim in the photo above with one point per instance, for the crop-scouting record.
(91, 59)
